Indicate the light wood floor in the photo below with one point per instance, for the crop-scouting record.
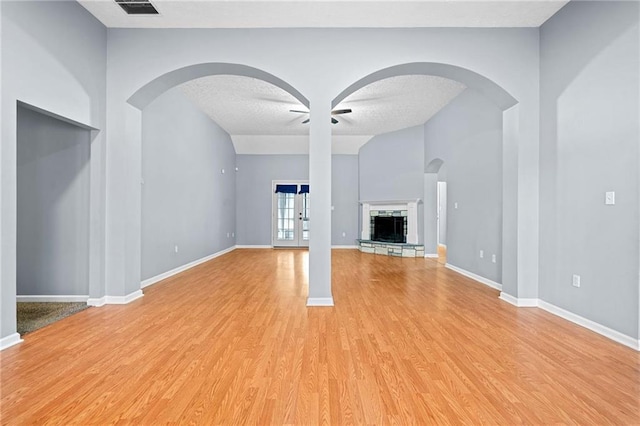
(231, 342)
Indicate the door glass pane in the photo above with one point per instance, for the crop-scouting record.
(305, 217)
(286, 216)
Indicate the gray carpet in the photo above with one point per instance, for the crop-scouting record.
(35, 315)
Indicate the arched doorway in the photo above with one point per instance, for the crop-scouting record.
(124, 244)
(513, 258)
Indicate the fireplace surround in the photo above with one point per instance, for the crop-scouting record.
(390, 228)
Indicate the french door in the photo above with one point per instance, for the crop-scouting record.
(290, 214)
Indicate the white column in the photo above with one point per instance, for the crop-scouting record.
(320, 193)
(412, 222)
(366, 222)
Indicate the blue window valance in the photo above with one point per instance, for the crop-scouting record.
(287, 189)
(304, 189)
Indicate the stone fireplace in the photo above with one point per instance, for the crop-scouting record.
(390, 228)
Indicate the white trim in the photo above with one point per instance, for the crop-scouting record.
(47, 298)
(123, 300)
(249, 246)
(97, 301)
(442, 245)
(520, 303)
(431, 255)
(175, 271)
(320, 301)
(607, 332)
(378, 203)
(473, 276)
(591, 325)
(115, 300)
(10, 340)
(345, 247)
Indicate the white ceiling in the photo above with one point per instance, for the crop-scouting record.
(248, 106)
(329, 14)
(250, 110)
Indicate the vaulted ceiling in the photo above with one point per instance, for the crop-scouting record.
(257, 114)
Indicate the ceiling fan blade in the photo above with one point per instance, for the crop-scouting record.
(301, 112)
(306, 121)
(334, 121)
(341, 111)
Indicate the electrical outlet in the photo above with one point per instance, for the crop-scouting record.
(233, 235)
(610, 198)
(576, 280)
(344, 234)
(493, 258)
(481, 254)
(175, 248)
(455, 205)
(228, 234)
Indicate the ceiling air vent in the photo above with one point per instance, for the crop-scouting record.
(137, 7)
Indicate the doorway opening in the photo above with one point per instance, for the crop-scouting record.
(53, 208)
(290, 213)
(441, 218)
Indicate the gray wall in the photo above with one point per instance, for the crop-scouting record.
(467, 135)
(53, 57)
(285, 53)
(344, 199)
(186, 200)
(391, 166)
(53, 206)
(589, 145)
(254, 195)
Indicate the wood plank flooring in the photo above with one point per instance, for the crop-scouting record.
(232, 342)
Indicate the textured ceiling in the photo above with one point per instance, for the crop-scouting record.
(254, 112)
(329, 14)
(247, 106)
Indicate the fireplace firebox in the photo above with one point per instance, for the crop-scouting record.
(389, 229)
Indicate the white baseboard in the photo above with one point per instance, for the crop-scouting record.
(10, 340)
(591, 325)
(345, 247)
(123, 300)
(520, 303)
(175, 271)
(97, 301)
(476, 277)
(47, 298)
(431, 255)
(605, 331)
(320, 301)
(115, 300)
(249, 246)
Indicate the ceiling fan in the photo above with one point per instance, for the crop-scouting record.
(334, 112)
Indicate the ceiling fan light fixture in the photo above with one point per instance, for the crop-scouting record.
(334, 112)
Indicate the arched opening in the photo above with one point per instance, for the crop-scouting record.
(164, 94)
(143, 96)
(503, 256)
